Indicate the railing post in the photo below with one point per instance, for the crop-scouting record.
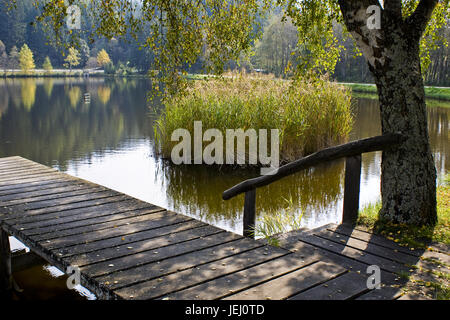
(249, 214)
(351, 189)
(6, 283)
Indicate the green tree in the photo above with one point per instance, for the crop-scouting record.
(13, 59)
(47, 65)
(73, 58)
(103, 58)
(274, 52)
(395, 39)
(84, 52)
(26, 59)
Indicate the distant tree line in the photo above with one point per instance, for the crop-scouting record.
(276, 52)
(17, 30)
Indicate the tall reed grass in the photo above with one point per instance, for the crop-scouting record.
(309, 115)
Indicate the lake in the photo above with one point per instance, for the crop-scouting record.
(101, 130)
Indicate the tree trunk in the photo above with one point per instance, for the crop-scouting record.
(408, 174)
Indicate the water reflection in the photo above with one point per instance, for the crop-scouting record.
(110, 141)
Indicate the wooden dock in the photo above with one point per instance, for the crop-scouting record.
(126, 248)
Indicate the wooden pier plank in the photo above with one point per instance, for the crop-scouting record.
(53, 199)
(343, 287)
(46, 185)
(34, 182)
(175, 264)
(356, 254)
(43, 192)
(292, 283)
(130, 249)
(114, 205)
(141, 216)
(127, 239)
(227, 285)
(126, 262)
(143, 245)
(18, 213)
(170, 284)
(4, 175)
(95, 222)
(71, 240)
(369, 247)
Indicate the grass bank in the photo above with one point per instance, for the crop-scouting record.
(417, 237)
(432, 281)
(430, 92)
(309, 116)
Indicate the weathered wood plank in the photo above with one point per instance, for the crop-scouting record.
(53, 197)
(367, 258)
(141, 216)
(20, 167)
(103, 207)
(69, 198)
(115, 219)
(170, 284)
(127, 239)
(44, 192)
(25, 172)
(35, 182)
(368, 247)
(163, 220)
(435, 246)
(31, 178)
(372, 238)
(144, 245)
(114, 265)
(292, 283)
(387, 278)
(385, 293)
(45, 185)
(186, 261)
(17, 213)
(343, 287)
(16, 162)
(238, 281)
(392, 246)
(10, 158)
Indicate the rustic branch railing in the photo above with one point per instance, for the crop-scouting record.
(351, 151)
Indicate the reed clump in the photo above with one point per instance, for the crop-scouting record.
(309, 115)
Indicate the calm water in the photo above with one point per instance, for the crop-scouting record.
(109, 140)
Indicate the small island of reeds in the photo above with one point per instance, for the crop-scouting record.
(309, 115)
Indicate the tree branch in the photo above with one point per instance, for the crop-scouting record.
(419, 20)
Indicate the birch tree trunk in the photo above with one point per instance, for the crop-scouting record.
(408, 178)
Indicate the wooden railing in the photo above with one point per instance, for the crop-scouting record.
(351, 151)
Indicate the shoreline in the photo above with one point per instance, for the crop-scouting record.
(431, 92)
